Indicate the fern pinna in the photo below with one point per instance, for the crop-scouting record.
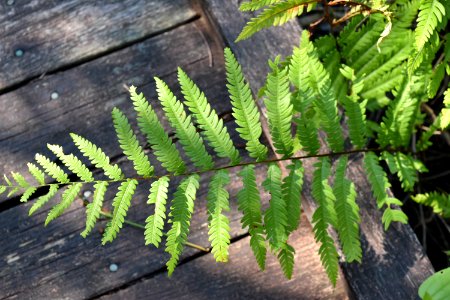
(317, 89)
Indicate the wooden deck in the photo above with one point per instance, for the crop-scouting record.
(87, 52)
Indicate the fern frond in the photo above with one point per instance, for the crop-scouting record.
(275, 15)
(436, 79)
(130, 145)
(155, 223)
(431, 13)
(377, 178)
(219, 228)
(188, 136)
(20, 180)
(245, 111)
(214, 131)
(121, 203)
(356, 114)
(438, 201)
(52, 169)
(348, 213)
(97, 157)
(292, 189)
(393, 215)
(163, 148)
(256, 4)
(67, 198)
(93, 209)
(249, 202)
(36, 173)
(275, 217)
(308, 133)
(286, 259)
(279, 110)
(44, 199)
(27, 194)
(406, 168)
(72, 163)
(2, 189)
(181, 212)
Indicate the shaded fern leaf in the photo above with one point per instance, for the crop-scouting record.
(292, 188)
(36, 173)
(245, 111)
(286, 259)
(155, 223)
(44, 199)
(356, 114)
(219, 228)
(406, 168)
(163, 148)
(377, 178)
(393, 215)
(307, 133)
(431, 13)
(93, 209)
(188, 136)
(279, 109)
(249, 202)
(72, 163)
(52, 169)
(67, 198)
(214, 131)
(130, 145)
(97, 157)
(121, 203)
(180, 212)
(347, 211)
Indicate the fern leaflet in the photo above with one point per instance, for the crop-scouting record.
(52, 169)
(44, 199)
(72, 163)
(256, 4)
(93, 209)
(286, 259)
(292, 188)
(36, 173)
(67, 198)
(431, 13)
(155, 223)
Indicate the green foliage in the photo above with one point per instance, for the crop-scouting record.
(439, 202)
(67, 198)
(430, 15)
(93, 209)
(155, 223)
(436, 287)
(291, 189)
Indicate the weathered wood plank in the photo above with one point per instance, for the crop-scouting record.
(55, 34)
(394, 260)
(240, 278)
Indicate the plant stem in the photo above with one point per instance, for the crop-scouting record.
(140, 226)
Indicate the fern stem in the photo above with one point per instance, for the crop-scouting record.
(140, 226)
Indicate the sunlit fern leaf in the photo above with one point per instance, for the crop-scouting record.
(154, 224)
(121, 203)
(72, 163)
(52, 169)
(97, 157)
(20, 180)
(36, 173)
(12, 188)
(130, 145)
(245, 111)
(393, 215)
(292, 188)
(249, 202)
(180, 211)
(2, 189)
(377, 177)
(444, 116)
(44, 199)
(274, 15)
(275, 217)
(208, 120)
(27, 194)
(347, 211)
(431, 13)
(94, 208)
(286, 259)
(253, 5)
(67, 198)
(407, 169)
(162, 146)
(187, 134)
(219, 224)
(279, 109)
(438, 201)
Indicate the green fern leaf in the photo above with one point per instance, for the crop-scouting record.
(27, 194)
(393, 215)
(2, 189)
(356, 114)
(377, 178)
(219, 228)
(214, 131)
(44, 199)
(286, 259)
(444, 116)
(66, 199)
(275, 15)
(438, 201)
(256, 4)
(181, 212)
(348, 213)
(20, 180)
(130, 145)
(189, 138)
(245, 111)
(121, 203)
(52, 169)
(279, 109)
(249, 202)
(431, 13)
(155, 223)
(163, 148)
(406, 168)
(275, 217)
(36, 173)
(72, 163)
(94, 208)
(97, 157)
(292, 188)
(307, 133)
